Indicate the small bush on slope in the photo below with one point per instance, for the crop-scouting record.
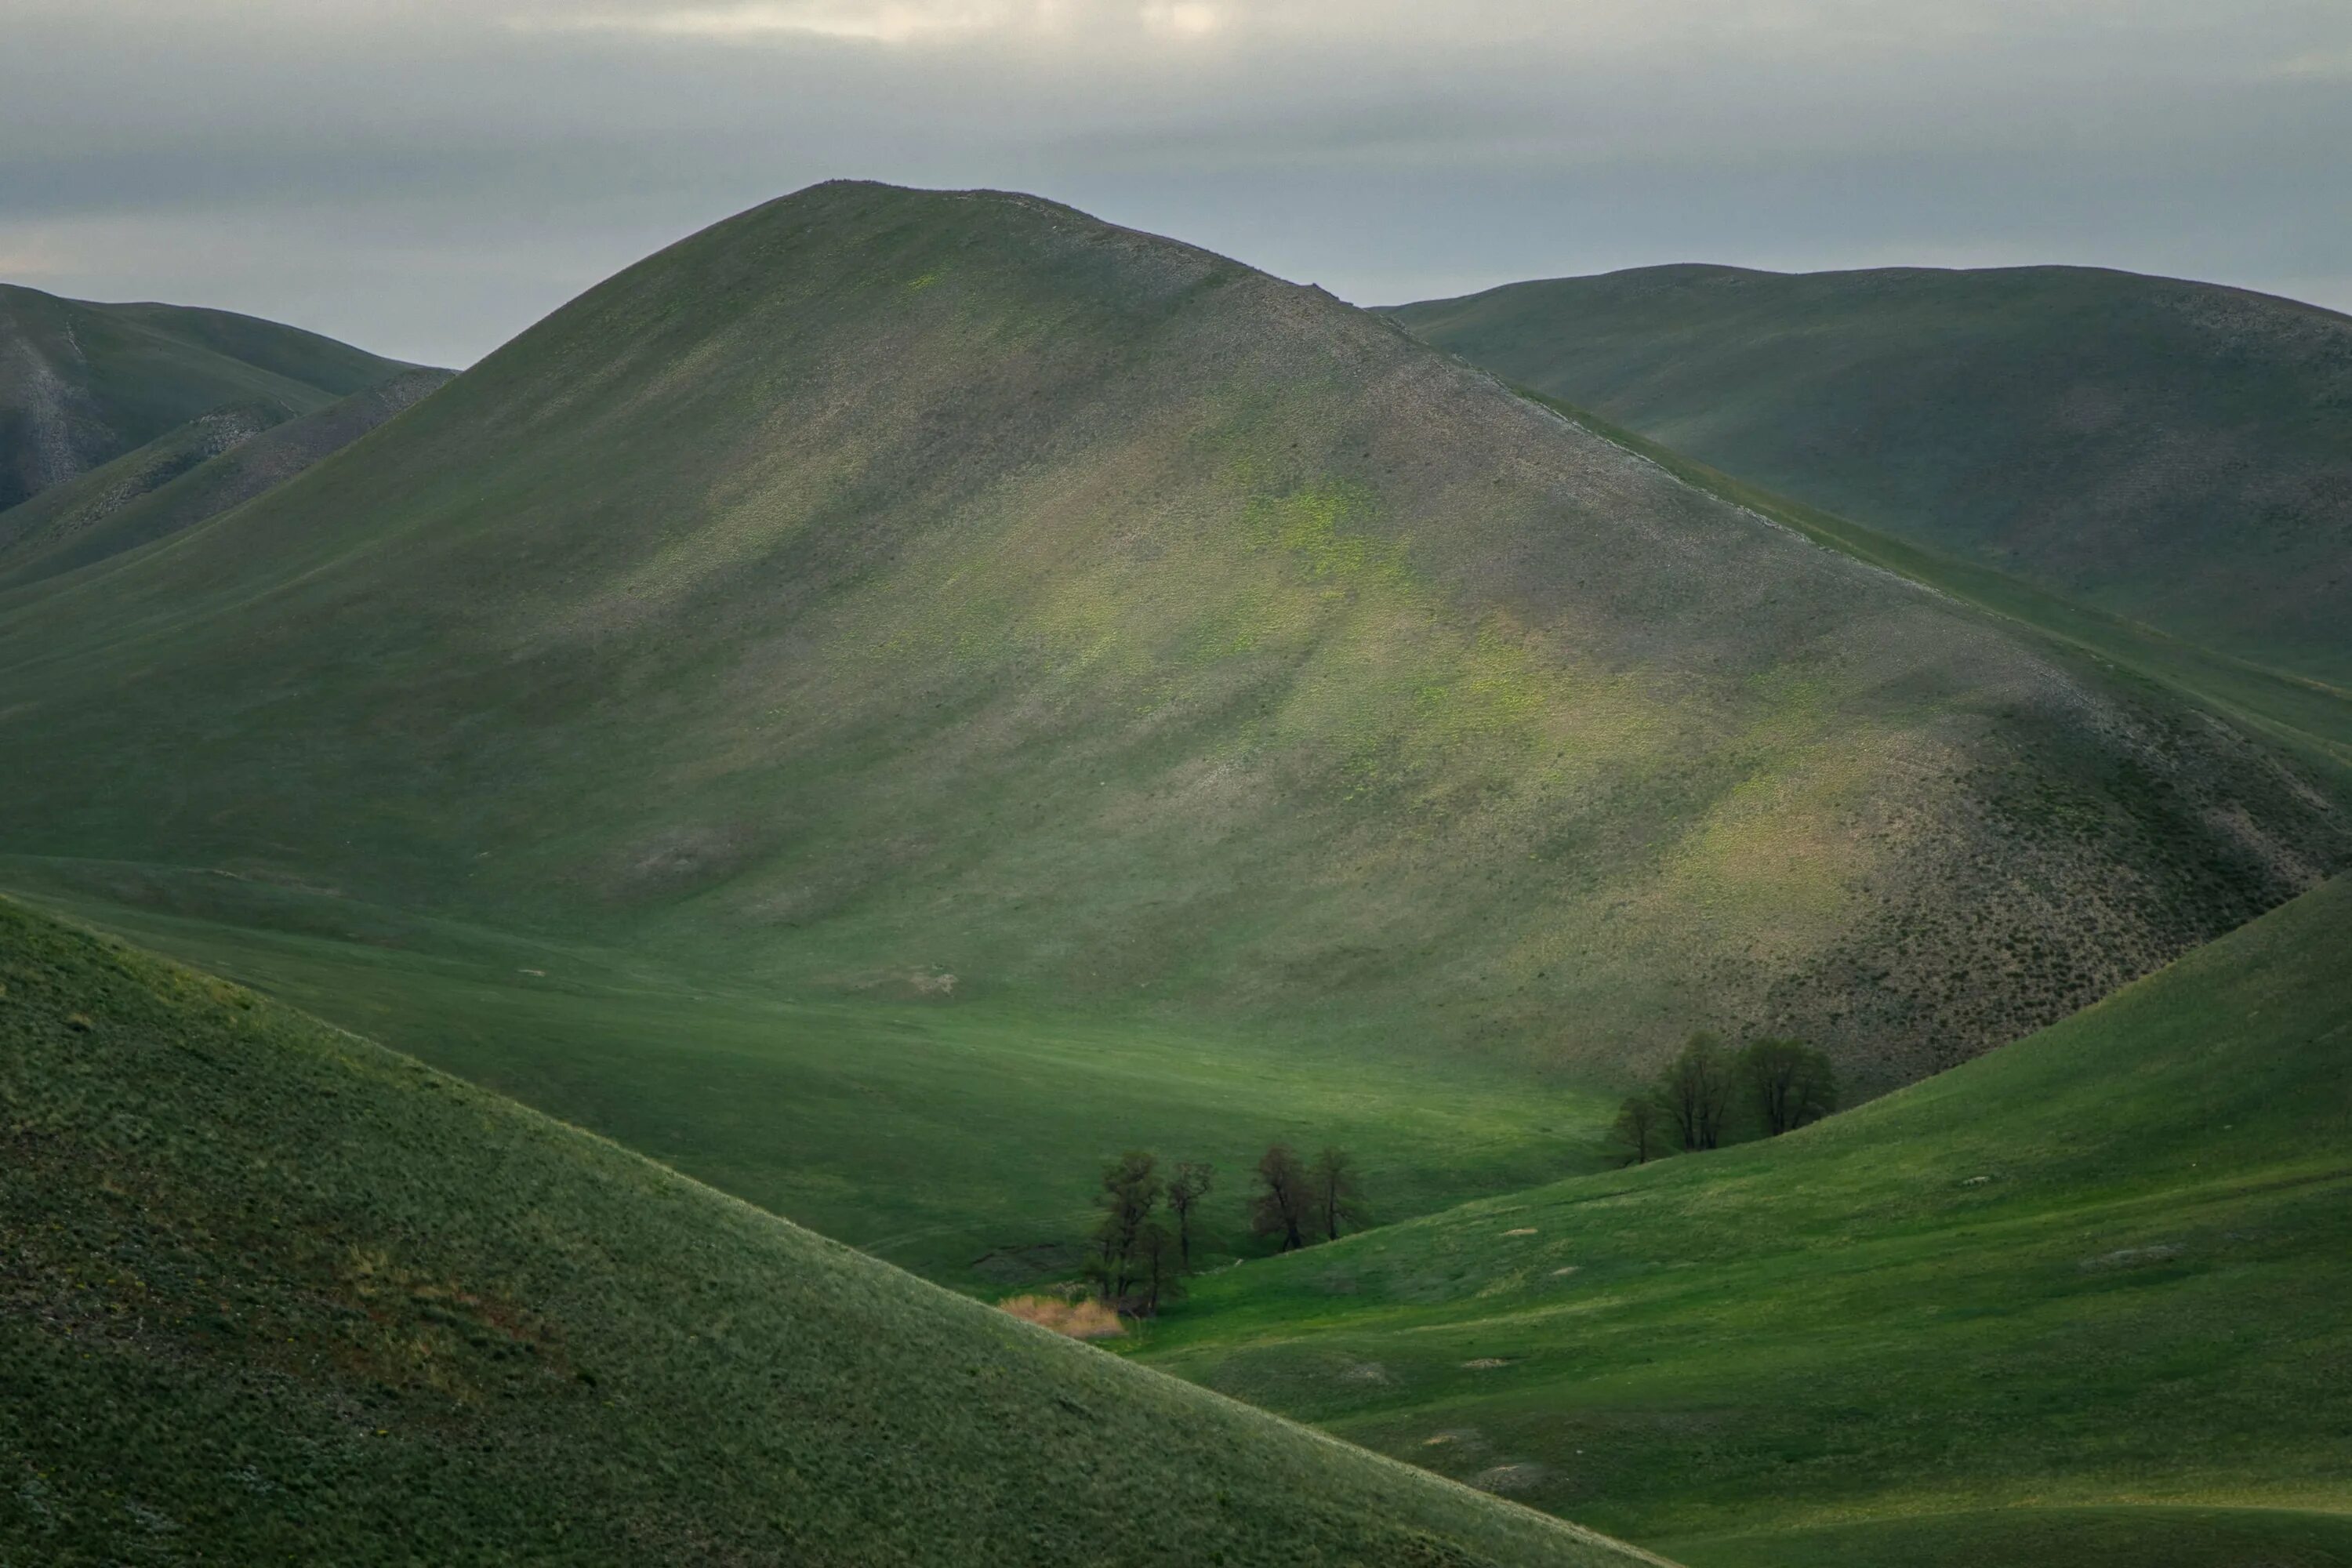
(271, 1293)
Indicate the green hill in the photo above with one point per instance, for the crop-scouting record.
(82, 383)
(2079, 1299)
(187, 474)
(938, 664)
(2169, 452)
(274, 1293)
(2307, 718)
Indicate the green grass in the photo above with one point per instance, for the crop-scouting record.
(2170, 454)
(2150, 1536)
(2306, 718)
(951, 1139)
(82, 383)
(273, 1293)
(2101, 1269)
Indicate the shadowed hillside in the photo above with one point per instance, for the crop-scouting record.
(186, 476)
(2176, 453)
(81, 384)
(269, 1292)
(885, 587)
(2080, 1300)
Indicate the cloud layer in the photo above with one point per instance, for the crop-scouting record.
(428, 176)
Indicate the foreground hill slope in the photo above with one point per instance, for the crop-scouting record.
(271, 1291)
(2079, 1300)
(188, 475)
(2173, 452)
(82, 383)
(949, 595)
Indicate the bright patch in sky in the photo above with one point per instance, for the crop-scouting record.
(427, 177)
(899, 22)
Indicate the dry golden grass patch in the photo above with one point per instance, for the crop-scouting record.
(1083, 1320)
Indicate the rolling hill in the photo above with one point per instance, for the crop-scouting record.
(2080, 1300)
(2173, 453)
(938, 655)
(187, 474)
(272, 1292)
(82, 383)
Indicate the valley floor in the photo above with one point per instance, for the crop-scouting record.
(959, 1139)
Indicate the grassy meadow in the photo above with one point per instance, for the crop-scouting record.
(271, 1293)
(2079, 1299)
(962, 1141)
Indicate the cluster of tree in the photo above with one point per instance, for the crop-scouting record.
(1138, 1261)
(1299, 1202)
(1782, 1084)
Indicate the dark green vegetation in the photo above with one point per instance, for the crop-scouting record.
(1707, 1097)
(82, 384)
(2080, 1300)
(2166, 452)
(189, 474)
(269, 1292)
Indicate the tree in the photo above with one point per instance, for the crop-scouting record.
(1334, 1195)
(1280, 1206)
(1130, 1191)
(1789, 1082)
(1694, 1091)
(1640, 1129)
(1159, 1276)
(1193, 1180)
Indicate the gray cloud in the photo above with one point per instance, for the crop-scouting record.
(427, 177)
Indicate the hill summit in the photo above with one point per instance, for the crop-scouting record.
(887, 585)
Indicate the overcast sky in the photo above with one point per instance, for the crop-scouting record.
(427, 177)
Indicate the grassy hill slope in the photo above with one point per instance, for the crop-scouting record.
(272, 1291)
(885, 587)
(82, 383)
(2174, 453)
(187, 474)
(2079, 1299)
(2307, 719)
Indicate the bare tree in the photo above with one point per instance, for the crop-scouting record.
(1159, 1278)
(1790, 1082)
(1640, 1129)
(1334, 1195)
(1694, 1091)
(1279, 1208)
(1130, 1191)
(1193, 1180)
